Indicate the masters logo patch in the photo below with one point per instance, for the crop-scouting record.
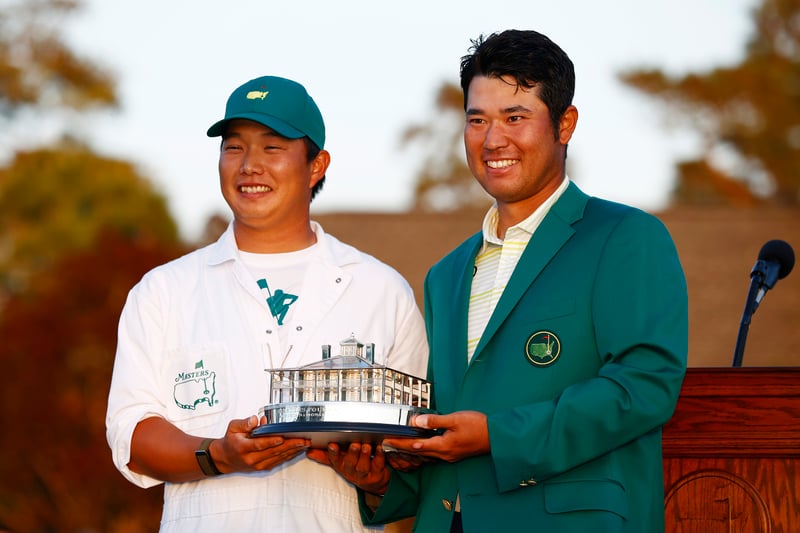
(196, 387)
(543, 348)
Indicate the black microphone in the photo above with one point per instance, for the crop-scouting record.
(775, 261)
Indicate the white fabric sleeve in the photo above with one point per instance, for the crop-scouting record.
(133, 395)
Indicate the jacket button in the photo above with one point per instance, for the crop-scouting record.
(523, 483)
(531, 482)
(447, 504)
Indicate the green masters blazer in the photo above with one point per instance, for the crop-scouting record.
(578, 369)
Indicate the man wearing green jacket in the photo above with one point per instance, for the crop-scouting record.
(558, 334)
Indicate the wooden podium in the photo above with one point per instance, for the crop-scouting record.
(732, 452)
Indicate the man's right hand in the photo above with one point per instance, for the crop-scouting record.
(238, 451)
(162, 451)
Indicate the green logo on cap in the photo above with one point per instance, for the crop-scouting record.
(290, 110)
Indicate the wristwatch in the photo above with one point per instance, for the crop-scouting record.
(205, 460)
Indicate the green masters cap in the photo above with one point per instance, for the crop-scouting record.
(278, 103)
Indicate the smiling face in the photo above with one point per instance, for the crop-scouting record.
(511, 147)
(266, 179)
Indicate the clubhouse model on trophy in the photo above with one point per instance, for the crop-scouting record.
(345, 398)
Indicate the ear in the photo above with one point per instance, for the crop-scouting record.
(319, 166)
(567, 124)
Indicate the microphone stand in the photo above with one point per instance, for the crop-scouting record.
(744, 325)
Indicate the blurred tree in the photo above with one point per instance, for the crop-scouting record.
(77, 230)
(37, 70)
(748, 114)
(214, 228)
(57, 200)
(57, 355)
(445, 182)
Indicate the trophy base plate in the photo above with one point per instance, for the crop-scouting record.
(341, 422)
(342, 433)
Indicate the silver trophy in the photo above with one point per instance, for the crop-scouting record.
(345, 398)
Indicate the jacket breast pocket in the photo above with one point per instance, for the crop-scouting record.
(196, 386)
(552, 309)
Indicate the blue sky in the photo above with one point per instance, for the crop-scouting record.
(373, 68)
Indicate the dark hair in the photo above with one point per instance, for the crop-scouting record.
(529, 57)
(312, 151)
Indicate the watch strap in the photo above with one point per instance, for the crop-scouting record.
(205, 460)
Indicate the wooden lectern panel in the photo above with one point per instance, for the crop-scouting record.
(732, 452)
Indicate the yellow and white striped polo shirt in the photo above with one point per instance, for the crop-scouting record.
(495, 263)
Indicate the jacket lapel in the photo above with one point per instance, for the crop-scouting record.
(462, 286)
(547, 240)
